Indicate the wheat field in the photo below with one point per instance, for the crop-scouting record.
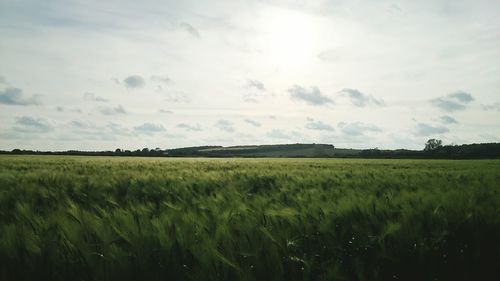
(119, 218)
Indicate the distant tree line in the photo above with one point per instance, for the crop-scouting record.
(118, 152)
(434, 149)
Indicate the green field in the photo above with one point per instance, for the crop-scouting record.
(117, 218)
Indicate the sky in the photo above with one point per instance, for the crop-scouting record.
(101, 75)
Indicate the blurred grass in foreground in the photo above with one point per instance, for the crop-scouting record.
(98, 218)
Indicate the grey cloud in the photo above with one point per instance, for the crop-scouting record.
(3, 80)
(490, 138)
(453, 102)
(161, 79)
(79, 124)
(84, 127)
(117, 129)
(189, 28)
(255, 84)
(280, 134)
(92, 97)
(13, 135)
(253, 123)
(112, 110)
(256, 91)
(427, 130)
(92, 131)
(177, 97)
(395, 8)
(14, 96)
(318, 125)
(250, 98)
(165, 111)
(225, 125)
(328, 56)
(134, 82)
(359, 99)
(188, 127)
(30, 124)
(60, 108)
(447, 105)
(445, 119)
(493, 106)
(461, 96)
(357, 128)
(149, 128)
(311, 97)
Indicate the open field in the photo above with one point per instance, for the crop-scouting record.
(117, 218)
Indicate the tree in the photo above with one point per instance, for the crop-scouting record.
(433, 144)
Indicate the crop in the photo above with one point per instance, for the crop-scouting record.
(118, 218)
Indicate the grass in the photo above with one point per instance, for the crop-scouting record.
(99, 218)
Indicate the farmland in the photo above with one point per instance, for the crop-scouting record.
(120, 218)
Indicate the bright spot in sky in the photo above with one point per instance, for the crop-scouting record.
(289, 39)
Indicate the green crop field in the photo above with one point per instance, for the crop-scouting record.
(113, 218)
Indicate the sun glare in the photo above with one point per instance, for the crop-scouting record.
(289, 39)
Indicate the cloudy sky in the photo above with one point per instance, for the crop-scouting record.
(95, 75)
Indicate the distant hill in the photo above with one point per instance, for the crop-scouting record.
(465, 151)
(279, 150)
